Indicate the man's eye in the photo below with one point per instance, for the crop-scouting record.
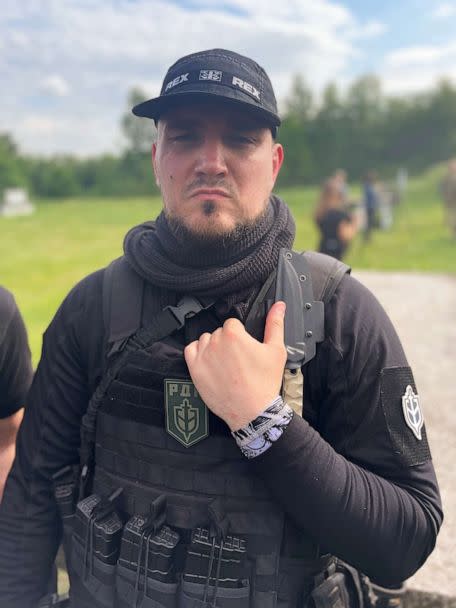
(241, 140)
(184, 137)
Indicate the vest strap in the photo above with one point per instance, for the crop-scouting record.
(123, 291)
(169, 320)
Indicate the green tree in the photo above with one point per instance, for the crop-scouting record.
(330, 133)
(294, 134)
(54, 177)
(364, 116)
(298, 167)
(442, 120)
(299, 104)
(364, 100)
(11, 169)
(139, 132)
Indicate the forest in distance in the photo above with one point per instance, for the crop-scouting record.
(357, 130)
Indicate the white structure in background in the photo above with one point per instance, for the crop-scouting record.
(16, 202)
(401, 181)
(385, 208)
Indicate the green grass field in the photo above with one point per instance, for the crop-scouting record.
(42, 256)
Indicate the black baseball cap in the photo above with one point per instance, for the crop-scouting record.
(215, 74)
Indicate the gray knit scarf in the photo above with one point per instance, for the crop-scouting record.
(223, 268)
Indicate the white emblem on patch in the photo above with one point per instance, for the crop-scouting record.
(412, 411)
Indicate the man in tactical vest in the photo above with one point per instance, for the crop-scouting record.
(15, 378)
(185, 431)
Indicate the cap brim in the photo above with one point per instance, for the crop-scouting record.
(154, 108)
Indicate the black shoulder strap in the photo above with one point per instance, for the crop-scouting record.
(306, 281)
(327, 273)
(123, 296)
(123, 291)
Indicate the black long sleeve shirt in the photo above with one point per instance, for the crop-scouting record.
(15, 362)
(362, 485)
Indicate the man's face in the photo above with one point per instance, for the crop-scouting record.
(215, 166)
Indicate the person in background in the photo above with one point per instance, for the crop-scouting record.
(370, 203)
(340, 179)
(336, 225)
(448, 192)
(15, 379)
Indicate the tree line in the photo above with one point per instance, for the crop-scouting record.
(357, 130)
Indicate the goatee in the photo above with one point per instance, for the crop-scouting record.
(209, 236)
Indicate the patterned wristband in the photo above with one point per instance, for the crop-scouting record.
(258, 436)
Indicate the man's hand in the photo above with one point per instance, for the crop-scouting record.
(237, 376)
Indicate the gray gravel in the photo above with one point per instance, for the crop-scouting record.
(423, 309)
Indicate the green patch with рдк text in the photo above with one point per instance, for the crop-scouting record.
(186, 413)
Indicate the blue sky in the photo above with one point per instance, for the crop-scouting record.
(66, 65)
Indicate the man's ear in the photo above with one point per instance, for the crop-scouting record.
(154, 163)
(277, 159)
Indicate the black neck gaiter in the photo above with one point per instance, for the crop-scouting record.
(222, 268)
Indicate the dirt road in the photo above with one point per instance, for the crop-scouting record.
(423, 309)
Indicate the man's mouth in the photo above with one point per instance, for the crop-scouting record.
(209, 193)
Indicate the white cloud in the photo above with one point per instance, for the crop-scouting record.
(99, 49)
(47, 135)
(444, 10)
(38, 125)
(55, 85)
(371, 29)
(417, 55)
(414, 69)
(19, 39)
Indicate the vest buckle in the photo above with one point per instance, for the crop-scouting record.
(188, 306)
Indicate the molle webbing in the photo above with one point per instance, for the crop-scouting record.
(166, 322)
(208, 485)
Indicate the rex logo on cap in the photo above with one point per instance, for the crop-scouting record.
(215, 74)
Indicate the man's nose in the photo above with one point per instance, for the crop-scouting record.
(211, 158)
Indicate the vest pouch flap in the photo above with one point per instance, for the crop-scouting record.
(332, 591)
(196, 595)
(295, 580)
(65, 483)
(94, 579)
(133, 592)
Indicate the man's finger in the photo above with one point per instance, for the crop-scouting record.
(274, 327)
(190, 352)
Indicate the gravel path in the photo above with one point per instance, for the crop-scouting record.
(423, 309)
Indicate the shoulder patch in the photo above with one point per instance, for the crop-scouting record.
(403, 416)
(412, 412)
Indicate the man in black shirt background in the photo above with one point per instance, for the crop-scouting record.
(336, 225)
(252, 503)
(15, 378)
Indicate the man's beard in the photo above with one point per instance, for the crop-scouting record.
(209, 233)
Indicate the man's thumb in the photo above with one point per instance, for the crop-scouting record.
(274, 327)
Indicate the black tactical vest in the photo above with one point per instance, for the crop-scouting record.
(168, 525)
